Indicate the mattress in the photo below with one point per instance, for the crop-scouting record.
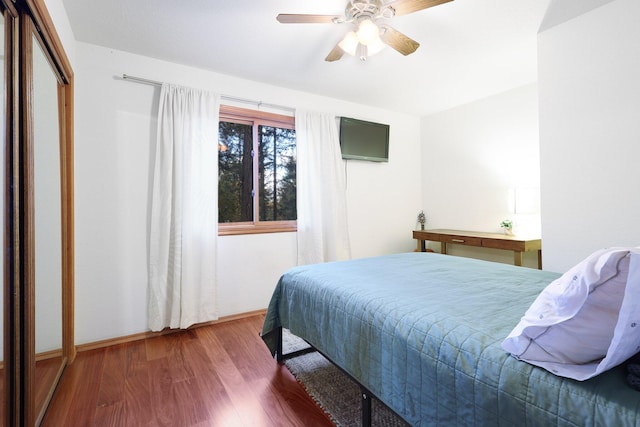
(422, 332)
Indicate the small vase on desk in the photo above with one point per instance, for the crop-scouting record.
(508, 232)
(422, 218)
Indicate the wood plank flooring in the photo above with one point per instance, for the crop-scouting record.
(218, 375)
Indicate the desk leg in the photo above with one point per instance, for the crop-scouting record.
(422, 245)
(517, 258)
(539, 259)
(443, 248)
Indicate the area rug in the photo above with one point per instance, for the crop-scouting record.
(332, 390)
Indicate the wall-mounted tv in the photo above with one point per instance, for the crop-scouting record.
(362, 140)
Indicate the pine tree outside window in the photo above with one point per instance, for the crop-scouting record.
(256, 172)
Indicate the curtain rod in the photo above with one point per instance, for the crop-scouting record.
(225, 97)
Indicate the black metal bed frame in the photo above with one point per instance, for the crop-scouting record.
(366, 394)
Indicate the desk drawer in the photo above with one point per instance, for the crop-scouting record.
(509, 245)
(462, 240)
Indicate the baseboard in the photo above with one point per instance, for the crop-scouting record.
(143, 335)
(45, 355)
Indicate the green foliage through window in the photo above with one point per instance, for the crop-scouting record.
(256, 188)
(235, 173)
(277, 173)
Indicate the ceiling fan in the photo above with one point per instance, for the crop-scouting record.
(368, 35)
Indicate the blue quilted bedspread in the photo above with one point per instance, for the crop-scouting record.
(422, 331)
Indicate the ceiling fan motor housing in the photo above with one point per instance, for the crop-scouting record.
(372, 9)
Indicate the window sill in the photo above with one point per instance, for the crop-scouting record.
(260, 228)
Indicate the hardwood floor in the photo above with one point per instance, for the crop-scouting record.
(219, 375)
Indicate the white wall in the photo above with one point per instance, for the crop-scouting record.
(472, 156)
(115, 129)
(63, 27)
(561, 11)
(590, 133)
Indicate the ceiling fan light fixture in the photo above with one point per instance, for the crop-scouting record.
(375, 46)
(349, 43)
(368, 32)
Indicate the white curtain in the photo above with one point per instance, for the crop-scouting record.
(321, 190)
(184, 212)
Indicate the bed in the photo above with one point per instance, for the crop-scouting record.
(422, 332)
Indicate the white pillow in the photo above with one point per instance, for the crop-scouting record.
(584, 322)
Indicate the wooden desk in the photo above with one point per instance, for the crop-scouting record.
(517, 244)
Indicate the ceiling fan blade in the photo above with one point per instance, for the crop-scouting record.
(290, 18)
(335, 54)
(405, 7)
(398, 41)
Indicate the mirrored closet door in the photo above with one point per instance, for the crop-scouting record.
(47, 208)
(38, 213)
(47, 233)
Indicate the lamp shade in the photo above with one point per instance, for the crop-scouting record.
(368, 32)
(375, 46)
(349, 43)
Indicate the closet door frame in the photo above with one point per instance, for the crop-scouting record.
(11, 218)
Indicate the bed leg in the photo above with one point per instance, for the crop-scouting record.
(366, 408)
(279, 356)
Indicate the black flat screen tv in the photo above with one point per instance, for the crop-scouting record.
(362, 140)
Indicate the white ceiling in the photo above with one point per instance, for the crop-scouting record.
(469, 48)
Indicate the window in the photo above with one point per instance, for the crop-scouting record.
(256, 172)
